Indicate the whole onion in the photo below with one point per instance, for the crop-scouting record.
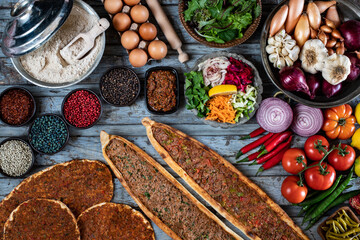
(293, 79)
(354, 68)
(314, 83)
(330, 90)
(350, 30)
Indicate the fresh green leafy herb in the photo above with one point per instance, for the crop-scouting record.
(197, 93)
(146, 194)
(219, 20)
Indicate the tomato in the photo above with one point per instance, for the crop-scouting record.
(338, 122)
(313, 145)
(342, 160)
(291, 191)
(294, 160)
(318, 181)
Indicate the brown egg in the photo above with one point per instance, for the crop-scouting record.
(157, 49)
(130, 39)
(131, 2)
(113, 6)
(138, 57)
(139, 13)
(147, 31)
(121, 22)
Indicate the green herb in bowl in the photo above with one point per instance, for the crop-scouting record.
(221, 21)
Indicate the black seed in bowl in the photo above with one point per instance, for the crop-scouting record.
(120, 86)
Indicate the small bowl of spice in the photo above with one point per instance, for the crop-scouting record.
(162, 90)
(17, 106)
(120, 86)
(48, 134)
(81, 108)
(16, 157)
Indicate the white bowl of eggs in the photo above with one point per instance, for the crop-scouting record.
(138, 35)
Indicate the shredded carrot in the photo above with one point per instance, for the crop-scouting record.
(221, 109)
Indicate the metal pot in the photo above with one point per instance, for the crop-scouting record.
(348, 10)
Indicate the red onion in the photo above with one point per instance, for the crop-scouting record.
(307, 120)
(274, 115)
(293, 79)
(350, 30)
(354, 68)
(314, 83)
(330, 90)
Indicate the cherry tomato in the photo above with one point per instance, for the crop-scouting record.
(313, 145)
(294, 160)
(318, 181)
(342, 160)
(291, 191)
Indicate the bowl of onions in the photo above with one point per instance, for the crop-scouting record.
(311, 51)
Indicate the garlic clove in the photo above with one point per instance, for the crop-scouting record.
(270, 49)
(288, 61)
(294, 53)
(273, 57)
(271, 40)
(280, 63)
(284, 52)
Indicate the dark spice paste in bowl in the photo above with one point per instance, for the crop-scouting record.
(162, 90)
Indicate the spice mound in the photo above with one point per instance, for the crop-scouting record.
(17, 107)
(161, 87)
(15, 158)
(48, 134)
(46, 65)
(82, 108)
(120, 86)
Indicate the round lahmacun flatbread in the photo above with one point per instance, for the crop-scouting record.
(112, 221)
(41, 219)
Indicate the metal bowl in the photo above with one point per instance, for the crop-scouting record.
(256, 82)
(350, 90)
(18, 66)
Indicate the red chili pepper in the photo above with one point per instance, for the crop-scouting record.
(273, 153)
(253, 134)
(279, 139)
(268, 142)
(250, 157)
(273, 161)
(253, 145)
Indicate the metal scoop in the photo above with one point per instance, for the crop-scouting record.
(83, 43)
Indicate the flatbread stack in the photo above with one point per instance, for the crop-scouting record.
(45, 206)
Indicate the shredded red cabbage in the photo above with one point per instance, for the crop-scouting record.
(239, 74)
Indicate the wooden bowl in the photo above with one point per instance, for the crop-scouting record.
(247, 34)
(347, 210)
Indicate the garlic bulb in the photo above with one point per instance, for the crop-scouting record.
(313, 55)
(336, 68)
(282, 50)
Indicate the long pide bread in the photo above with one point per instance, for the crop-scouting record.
(163, 199)
(223, 186)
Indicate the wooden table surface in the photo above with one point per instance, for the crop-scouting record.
(126, 121)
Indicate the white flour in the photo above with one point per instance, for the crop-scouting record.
(46, 64)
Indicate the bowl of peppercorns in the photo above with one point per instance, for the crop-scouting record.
(48, 134)
(81, 108)
(17, 106)
(120, 86)
(16, 157)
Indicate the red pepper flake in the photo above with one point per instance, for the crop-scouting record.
(82, 108)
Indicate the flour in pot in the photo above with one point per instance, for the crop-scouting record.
(46, 64)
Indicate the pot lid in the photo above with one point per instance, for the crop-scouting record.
(32, 24)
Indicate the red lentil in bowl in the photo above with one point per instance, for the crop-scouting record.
(81, 108)
(17, 106)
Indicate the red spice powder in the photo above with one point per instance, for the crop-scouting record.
(16, 107)
(82, 109)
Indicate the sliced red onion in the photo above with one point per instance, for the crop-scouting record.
(307, 120)
(274, 115)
